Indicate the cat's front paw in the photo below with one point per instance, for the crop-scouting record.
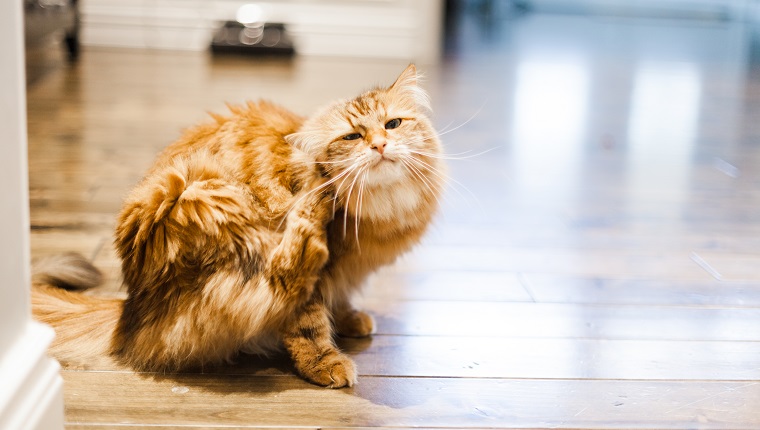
(324, 204)
(355, 324)
(333, 370)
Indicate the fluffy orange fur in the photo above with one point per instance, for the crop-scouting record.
(250, 233)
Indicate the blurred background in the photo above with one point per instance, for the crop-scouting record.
(362, 28)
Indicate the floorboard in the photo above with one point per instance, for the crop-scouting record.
(408, 402)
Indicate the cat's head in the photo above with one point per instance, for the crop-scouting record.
(381, 137)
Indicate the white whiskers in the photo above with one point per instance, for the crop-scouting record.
(455, 156)
(443, 177)
(358, 215)
(348, 199)
(446, 130)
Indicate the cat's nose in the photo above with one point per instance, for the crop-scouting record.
(379, 145)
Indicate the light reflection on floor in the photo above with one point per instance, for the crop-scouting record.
(641, 103)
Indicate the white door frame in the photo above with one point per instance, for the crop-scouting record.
(31, 388)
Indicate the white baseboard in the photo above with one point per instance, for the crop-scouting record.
(31, 388)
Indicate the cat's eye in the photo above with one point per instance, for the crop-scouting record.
(352, 136)
(393, 124)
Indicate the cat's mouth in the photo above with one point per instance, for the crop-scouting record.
(382, 162)
(382, 159)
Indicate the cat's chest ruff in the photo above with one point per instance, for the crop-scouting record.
(390, 203)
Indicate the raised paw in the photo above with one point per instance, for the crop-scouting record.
(314, 205)
(315, 254)
(324, 203)
(332, 370)
(355, 324)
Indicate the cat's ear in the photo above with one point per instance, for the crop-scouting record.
(407, 78)
(407, 84)
(303, 140)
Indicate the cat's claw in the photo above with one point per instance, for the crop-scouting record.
(332, 371)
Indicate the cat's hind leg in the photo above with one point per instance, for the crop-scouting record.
(350, 322)
(308, 339)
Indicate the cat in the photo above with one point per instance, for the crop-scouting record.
(250, 234)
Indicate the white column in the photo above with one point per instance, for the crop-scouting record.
(31, 395)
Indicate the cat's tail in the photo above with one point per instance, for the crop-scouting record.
(83, 324)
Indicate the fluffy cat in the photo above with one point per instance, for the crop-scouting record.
(251, 232)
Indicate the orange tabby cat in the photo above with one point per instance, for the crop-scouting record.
(251, 233)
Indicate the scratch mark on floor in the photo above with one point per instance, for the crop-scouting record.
(727, 390)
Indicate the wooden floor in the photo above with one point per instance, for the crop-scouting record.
(598, 267)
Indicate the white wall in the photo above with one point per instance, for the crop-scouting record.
(405, 29)
(30, 385)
